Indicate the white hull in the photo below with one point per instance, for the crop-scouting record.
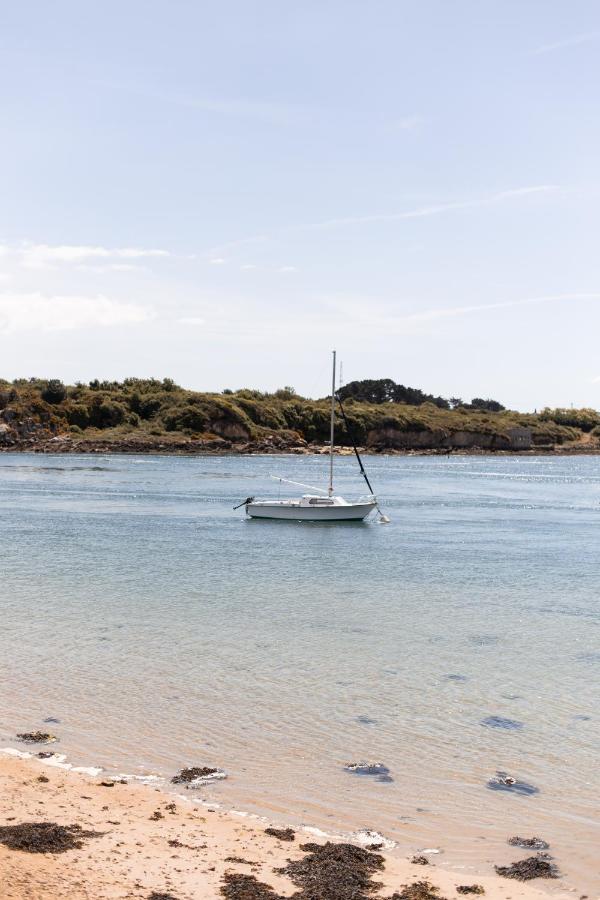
(295, 510)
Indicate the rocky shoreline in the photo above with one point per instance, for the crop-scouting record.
(63, 444)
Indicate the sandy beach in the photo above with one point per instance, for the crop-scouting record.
(152, 844)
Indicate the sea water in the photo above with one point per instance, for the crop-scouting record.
(163, 629)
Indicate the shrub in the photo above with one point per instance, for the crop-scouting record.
(489, 405)
(148, 406)
(190, 417)
(78, 415)
(54, 392)
(586, 419)
(106, 413)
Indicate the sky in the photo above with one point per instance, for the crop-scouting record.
(223, 192)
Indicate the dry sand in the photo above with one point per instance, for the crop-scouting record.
(133, 858)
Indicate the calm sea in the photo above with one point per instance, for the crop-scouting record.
(163, 629)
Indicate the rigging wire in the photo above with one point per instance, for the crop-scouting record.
(382, 517)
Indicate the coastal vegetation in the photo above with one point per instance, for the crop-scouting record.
(380, 415)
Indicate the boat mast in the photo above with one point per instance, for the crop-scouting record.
(332, 428)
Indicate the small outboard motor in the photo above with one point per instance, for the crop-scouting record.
(244, 502)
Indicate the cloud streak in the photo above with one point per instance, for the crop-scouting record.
(421, 212)
(39, 256)
(41, 312)
(566, 42)
(431, 315)
(266, 111)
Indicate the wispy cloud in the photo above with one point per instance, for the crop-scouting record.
(596, 380)
(436, 209)
(379, 317)
(408, 123)
(191, 320)
(38, 256)
(418, 212)
(267, 111)
(566, 42)
(450, 312)
(36, 311)
(253, 267)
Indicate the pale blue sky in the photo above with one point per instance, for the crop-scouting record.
(222, 192)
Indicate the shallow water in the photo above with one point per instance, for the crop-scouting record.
(163, 629)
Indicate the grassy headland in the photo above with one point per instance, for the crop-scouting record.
(149, 415)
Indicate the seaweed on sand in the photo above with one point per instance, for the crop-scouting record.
(44, 837)
(159, 895)
(420, 861)
(534, 843)
(186, 776)
(282, 834)
(540, 866)
(37, 737)
(334, 871)
(327, 872)
(246, 887)
(419, 890)
(470, 889)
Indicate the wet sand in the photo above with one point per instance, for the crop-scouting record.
(133, 855)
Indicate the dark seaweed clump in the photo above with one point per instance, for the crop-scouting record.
(420, 861)
(334, 871)
(420, 890)
(534, 843)
(282, 834)
(44, 837)
(539, 866)
(504, 782)
(470, 889)
(37, 737)
(376, 769)
(246, 887)
(158, 895)
(327, 872)
(185, 776)
(367, 768)
(501, 722)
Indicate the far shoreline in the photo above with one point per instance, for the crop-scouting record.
(58, 447)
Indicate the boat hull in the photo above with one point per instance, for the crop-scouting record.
(351, 512)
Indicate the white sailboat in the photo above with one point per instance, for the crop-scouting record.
(322, 506)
